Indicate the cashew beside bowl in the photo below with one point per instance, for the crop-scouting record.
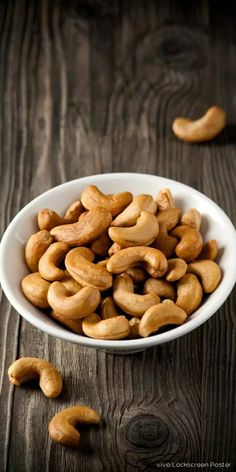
(32, 368)
(62, 426)
(203, 129)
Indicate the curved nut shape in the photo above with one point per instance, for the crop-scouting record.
(167, 219)
(108, 308)
(32, 368)
(176, 269)
(114, 249)
(165, 199)
(192, 218)
(209, 273)
(209, 250)
(161, 315)
(156, 262)
(73, 325)
(48, 219)
(137, 274)
(62, 426)
(203, 129)
(71, 285)
(130, 215)
(92, 197)
(101, 245)
(36, 247)
(142, 233)
(87, 273)
(36, 289)
(127, 300)
(117, 327)
(90, 227)
(134, 325)
(76, 306)
(160, 288)
(189, 293)
(190, 244)
(49, 261)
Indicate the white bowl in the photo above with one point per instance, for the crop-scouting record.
(215, 225)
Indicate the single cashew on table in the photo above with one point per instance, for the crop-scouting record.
(119, 266)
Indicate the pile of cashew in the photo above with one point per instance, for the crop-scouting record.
(118, 266)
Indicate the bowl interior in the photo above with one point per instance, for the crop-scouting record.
(215, 225)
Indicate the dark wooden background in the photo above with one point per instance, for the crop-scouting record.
(89, 87)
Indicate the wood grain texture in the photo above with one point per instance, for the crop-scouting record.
(93, 86)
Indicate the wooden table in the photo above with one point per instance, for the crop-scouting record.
(91, 87)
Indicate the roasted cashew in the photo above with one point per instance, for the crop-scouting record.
(165, 199)
(203, 129)
(71, 285)
(176, 269)
(142, 233)
(160, 288)
(167, 220)
(87, 273)
(73, 325)
(36, 289)
(156, 263)
(160, 315)
(62, 426)
(48, 219)
(108, 309)
(32, 368)
(192, 218)
(189, 293)
(137, 274)
(167, 301)
(209, 273)
(134, 325)
(49, 261)
(92, 198)
(113, 249)
(35, 248)
(101, 245)
(130, 302)
(76, 306)
(209, 250)
(130, 215)
(117, 327)
(190, 244)
(90, 227)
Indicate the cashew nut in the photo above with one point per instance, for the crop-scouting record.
(36, 289)
(113, 249)
(87, 273)
(76, 306)
(167, 220)
(94, 223)
(165, 199)
(137, 274)
(117, 327)
(130, 215)
(192, 218)
(209, 250)
(108, 309)
(35, 248)
(167, 301)
(209, 273)
(73, 325)
(189, 293)
(190, 244)
(160, 288)
(134, 325)
(92, 198)
(49, 261)
(160, 315)
(130, 302)
(176, 269)
(101, 245)
(62, 426)
(156, 263)
(71, 285)
(48, 219)
(32, 368)
(203, 129)
(142, 233)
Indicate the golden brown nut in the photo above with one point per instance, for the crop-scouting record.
(101, 245)
(76, 306)
(130, 215)
(190, 244)
(71, 285)
(203, 129)
(209, 250)
(142, 233)
(160, 315)
(192, 218)
(189, 293)
(176, 269)
(35, 248)
(36, 289)
(117, 327)
(113, 249)
(73, 325)
(137, 274)
(155, 261)
(134, 325)
(92, 198)
(108, 308)
(165, 199)
(167, 219)
(48, 219)
(209, 273)
(48, 264)
(160, 287)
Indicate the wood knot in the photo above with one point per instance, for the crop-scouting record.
(146, 431)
